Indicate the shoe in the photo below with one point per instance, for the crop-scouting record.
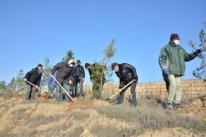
(133, 105)
(169, 106)
(177, 106)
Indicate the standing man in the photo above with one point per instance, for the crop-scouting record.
(79, 78)
(64, 75)
(126, 73)
(34, 77)
(51, 86)
(172, 62)
(97, 77)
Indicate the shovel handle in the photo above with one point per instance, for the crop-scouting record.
(33, 85)
(63, 89)
(122, 89)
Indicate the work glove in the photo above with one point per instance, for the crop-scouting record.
(25, 80)
(82, 80)
(197, 52)
(121, 85)
(70, 82)
(134, 79)
(165, 71)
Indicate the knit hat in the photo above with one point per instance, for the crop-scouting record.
(78, 61)
(113, 65)
(174, 36)
(40, 65)
(87, 65)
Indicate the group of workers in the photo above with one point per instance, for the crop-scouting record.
(71, 76)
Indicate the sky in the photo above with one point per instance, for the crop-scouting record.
(31, 30)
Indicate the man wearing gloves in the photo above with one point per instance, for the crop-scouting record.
(126, 73)
(33, 77)
(172, 62)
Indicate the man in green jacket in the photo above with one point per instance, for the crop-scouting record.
(97, 77)
(172, 62)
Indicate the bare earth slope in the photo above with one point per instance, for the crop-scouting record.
(92, 118)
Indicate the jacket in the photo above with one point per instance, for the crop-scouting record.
(64, 73)
(79, 71)
(34, 76)
(173, 57)
(126, 74)
(95, 72)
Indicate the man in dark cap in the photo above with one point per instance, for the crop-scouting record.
(33, 77)
(172, 62)
(79, 74)
(126, 73)
(97, 77)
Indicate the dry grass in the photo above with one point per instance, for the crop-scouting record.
(150, 115)
(91, 118)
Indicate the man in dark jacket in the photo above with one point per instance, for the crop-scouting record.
(34, 77)
(97, 77)
(64, 75)
(79, 78)
(126, 73)
(172, 62)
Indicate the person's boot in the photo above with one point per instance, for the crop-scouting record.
(177, 106)
(169, 106)
(133, 104)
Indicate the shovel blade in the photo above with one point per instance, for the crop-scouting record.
(74, 100)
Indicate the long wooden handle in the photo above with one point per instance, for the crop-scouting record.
(33, 85)
(122, 89)
(63, 89)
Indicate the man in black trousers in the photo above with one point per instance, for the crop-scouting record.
(34, 77)
(126, 73)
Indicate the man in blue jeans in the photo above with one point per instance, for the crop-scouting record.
(51, 87)
(64, 76)
(79, 78)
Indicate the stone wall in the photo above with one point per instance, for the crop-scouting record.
(190, 88)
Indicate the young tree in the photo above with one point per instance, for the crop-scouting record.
(3, 86)
(69, 55)
(109, 52)
(47, 68)
(200, 72)
(12, 85)
(20, 84)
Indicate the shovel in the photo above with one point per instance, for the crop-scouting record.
(120, 90)
(73, 99)
(35, 87)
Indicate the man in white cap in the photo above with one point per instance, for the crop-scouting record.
(64, 75)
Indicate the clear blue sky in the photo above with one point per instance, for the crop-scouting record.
(31, 30)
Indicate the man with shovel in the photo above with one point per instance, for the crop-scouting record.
(33, 79)
(64, 77)
(126, 73)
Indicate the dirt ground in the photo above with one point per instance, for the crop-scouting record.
(46, 117)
